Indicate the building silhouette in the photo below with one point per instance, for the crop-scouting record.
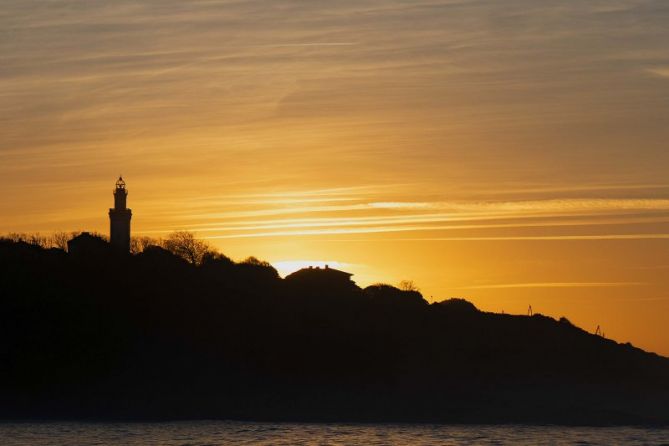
(87, 245)
(119, 219)
(322, 278)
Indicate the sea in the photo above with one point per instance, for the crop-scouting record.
(210, 433)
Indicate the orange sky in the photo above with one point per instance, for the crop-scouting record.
(511, 153)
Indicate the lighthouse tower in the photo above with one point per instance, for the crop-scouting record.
(119, 219)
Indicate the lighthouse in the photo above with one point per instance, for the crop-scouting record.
(119, 219)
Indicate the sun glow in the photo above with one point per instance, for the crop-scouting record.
(457, 151)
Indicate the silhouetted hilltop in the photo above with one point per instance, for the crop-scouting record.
(98, 334)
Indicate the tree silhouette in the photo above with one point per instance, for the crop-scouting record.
(59, 239)
(408, 285)
(185, 245)
(139, 244)
(256, 262)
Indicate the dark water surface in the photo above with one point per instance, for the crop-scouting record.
(246, 433)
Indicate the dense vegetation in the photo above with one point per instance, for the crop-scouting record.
(163, 334)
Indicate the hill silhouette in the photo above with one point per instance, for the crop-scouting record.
(94, 334)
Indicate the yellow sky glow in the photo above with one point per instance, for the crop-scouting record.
(512, 153)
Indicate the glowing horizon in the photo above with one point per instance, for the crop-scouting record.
(508, 153)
